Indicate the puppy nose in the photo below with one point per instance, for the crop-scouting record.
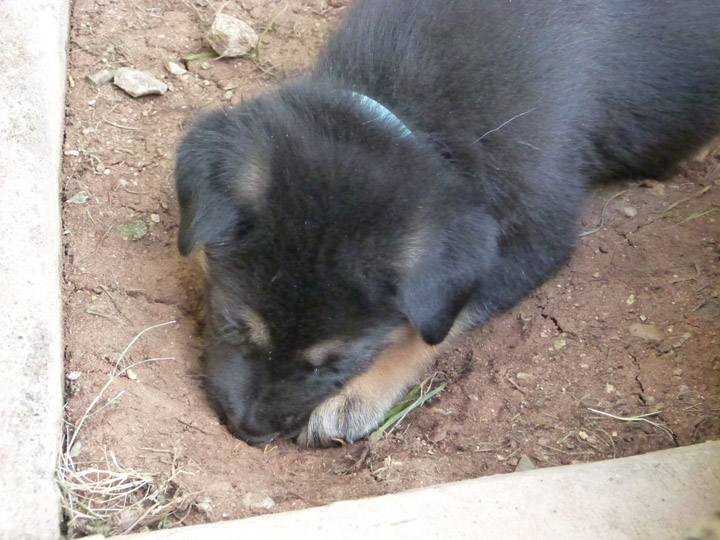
(253, 432)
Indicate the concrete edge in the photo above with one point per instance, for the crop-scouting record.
(32, 75)
(660, 495)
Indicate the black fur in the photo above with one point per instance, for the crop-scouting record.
(332, 224)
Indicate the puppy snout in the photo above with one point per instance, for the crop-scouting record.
(252, 430)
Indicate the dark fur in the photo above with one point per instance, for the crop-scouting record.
(332, 227)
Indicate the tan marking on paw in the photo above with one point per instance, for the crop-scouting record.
(363, 403)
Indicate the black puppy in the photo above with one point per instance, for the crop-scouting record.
(424, 177)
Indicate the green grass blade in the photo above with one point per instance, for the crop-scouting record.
(401, 410)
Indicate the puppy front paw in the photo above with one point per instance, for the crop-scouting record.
(345, 417)
(363, 402)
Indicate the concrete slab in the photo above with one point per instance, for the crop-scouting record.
(32, 77)
(661, 495)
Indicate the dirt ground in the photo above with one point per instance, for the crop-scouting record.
(630, 327)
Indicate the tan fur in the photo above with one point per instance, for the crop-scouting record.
(318, 353)
(258, 332)
(252, 185)
(397, 368)
(363, 402)
(199, 257)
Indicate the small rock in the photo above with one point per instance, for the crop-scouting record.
(81, 197)
(135, 230)
(227, 96)
(656, 188)
(437, 435)
(155, 218)
(73, 375)
(138, 83)
(102, 77)
(677, 372)
(204, 504)
(525, 377)
(559, 344)
(630, 300)
(76, 449)
(231, 37)
(629, 211)
(257, 501)
(684, 389)
(648, 332)
(131, 374)
(710, 309)
(525, 464)
(175, 69)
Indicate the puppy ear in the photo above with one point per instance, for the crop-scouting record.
(217, 183)
(446, 273)
(207, 211)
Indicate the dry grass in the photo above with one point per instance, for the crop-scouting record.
(106, 498)
(639, 418)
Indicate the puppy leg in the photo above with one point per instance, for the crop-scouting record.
(365, 400)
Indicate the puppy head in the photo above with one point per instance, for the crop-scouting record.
(324, 234)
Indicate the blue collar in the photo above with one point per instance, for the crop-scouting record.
(381, 113)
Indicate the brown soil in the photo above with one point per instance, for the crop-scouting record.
(523, 385)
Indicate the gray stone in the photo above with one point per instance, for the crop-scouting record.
(175, 69)
(139, 83)
(81, 197)
(231, 37)
(648, 332)
(525, 464)
(102, 76)
(629, 211)
(710, 309)
(257, 501)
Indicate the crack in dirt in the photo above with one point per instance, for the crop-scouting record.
(635, 362)
(554, 321)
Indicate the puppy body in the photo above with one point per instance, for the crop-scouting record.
(425, 176)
